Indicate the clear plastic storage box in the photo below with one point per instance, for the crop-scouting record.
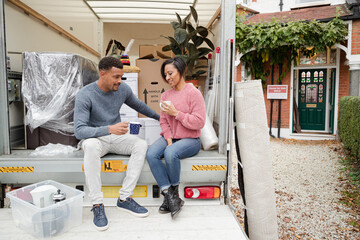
(51, 220)
(150, 130)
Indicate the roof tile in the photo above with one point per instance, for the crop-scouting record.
(321, 12)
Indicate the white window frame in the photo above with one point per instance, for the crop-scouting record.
(310, 4)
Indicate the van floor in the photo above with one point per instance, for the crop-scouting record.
(194, 222)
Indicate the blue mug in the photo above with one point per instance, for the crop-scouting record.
(134, 128)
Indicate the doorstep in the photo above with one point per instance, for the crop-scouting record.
(312, 136)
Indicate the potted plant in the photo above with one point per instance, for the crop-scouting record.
(187, 43)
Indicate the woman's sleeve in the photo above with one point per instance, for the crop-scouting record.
(195, 119)
(165, 126)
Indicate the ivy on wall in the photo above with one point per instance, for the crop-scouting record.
(280, 42)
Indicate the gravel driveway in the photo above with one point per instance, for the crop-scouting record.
(307, 191)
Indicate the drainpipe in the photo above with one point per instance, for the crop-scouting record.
(272, 102)
(279, 109)
(281, 5)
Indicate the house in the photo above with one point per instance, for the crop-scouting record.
(314, 85)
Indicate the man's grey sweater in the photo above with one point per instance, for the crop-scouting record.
(96, 110)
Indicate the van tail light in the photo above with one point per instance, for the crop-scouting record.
(203, 192)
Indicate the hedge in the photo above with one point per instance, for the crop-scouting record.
(349, 124)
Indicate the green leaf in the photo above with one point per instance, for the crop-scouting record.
(200, 72)
(175, 25)
(209, 43)
(279, 41)
(202, 31)
(203, 52)
(197, 40)
(180, 35)
(185, 21)
(166, 48)
(190, 28)
(194, 13)
(197, 67)
(178, 18)
(175, 49)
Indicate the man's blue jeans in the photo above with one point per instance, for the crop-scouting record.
(169, 174)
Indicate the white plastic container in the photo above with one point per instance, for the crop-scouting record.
(49, 221)
(151, 129)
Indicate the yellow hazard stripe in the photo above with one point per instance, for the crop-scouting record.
(111, 166)
(208, 167)
(113, 191)
(16, 169)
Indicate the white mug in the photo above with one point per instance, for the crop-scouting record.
(166, 102)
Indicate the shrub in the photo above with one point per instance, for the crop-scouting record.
(349, 124)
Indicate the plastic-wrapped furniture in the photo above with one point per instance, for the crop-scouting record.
(50, 83)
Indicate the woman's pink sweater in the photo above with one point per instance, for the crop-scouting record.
(191, 113)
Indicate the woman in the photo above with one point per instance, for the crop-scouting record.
(181, 121)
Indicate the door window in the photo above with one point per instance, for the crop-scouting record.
(311, 93)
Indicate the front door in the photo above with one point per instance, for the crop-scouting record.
(312, 99)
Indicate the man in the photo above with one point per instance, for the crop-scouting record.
(97, 123)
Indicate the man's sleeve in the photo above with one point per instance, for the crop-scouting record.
(133, 102)
(82, 128)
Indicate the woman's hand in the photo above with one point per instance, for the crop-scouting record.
(169, 109)
(169, 141)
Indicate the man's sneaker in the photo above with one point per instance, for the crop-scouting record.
(130, 206)
(100, 220)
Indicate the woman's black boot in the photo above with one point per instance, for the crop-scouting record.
(175, 203)
(164, 208)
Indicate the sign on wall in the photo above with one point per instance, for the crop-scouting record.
(277, 91)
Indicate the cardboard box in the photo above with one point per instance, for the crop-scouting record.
(145, 50)
(151, 85)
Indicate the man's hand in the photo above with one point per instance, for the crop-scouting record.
(119, 129)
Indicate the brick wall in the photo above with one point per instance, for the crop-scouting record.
(344, 75)
(355, 44)
(285, 103)
(238, 73)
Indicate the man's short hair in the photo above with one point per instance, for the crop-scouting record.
(106, 63)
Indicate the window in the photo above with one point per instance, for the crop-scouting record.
(320, 58)
(245, 73)
(307, 1)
